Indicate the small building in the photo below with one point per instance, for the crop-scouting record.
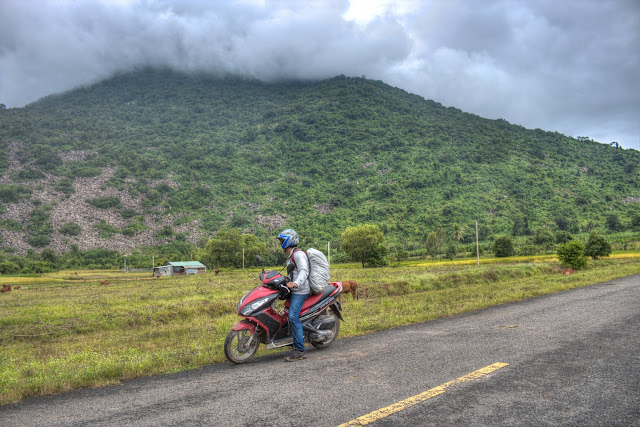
(180, 267)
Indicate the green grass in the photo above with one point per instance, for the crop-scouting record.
(64, 330)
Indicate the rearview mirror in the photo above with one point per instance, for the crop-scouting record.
(259, 262)
(290, 268)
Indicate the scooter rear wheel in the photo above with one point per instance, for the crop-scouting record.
(240, 346)
(335, 330)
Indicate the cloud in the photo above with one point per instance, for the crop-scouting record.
(569, 67)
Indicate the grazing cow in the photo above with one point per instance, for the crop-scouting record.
(5, 288)
(349, 286)
(104, 282)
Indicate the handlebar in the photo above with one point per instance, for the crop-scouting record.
(285, 292)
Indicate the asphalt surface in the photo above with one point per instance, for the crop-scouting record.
(573, 359)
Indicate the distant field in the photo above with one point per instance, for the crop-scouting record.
(72, 329)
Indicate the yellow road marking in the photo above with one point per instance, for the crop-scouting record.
(406, 403)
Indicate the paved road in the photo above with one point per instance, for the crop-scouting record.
(573, 358)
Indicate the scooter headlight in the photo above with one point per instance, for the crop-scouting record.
(254, 306)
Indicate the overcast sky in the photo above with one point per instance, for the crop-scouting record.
(570, 66)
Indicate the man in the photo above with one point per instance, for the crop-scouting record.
(300, 290)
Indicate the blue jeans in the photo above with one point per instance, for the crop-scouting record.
(295, 306)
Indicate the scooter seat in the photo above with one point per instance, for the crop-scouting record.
(312, 299)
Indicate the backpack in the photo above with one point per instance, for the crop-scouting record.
(318, 269)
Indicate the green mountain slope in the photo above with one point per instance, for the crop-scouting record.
(141, 157)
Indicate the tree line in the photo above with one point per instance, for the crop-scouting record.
(364, 244)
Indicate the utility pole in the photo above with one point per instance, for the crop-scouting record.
(477, 245)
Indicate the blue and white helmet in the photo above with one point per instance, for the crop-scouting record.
(288, 238)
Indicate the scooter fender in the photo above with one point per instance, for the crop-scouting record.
(336, 307)
(244, 325)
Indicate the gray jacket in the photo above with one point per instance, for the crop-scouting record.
(300, 273)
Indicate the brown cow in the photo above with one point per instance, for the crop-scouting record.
(5, 288)
(349, 286)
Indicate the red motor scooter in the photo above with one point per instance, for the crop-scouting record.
(264, 323)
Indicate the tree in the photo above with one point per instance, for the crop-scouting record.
(225, 248)
(48, 255)
(520, 226)
(377, 256)
(435, 242)
(364, 243)
(562, 222)
(563, 237)
(543, 237)
(451, 250)
(434, 248)
(571, 255)
(503, 246)
(613, 223)
(458, 234)
(252, 246)
(597, 246)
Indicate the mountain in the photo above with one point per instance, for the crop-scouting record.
(151, 156)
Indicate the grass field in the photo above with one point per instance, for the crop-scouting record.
(66, 330)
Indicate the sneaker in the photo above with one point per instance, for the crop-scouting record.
(295, 355)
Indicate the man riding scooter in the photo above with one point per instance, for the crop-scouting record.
(300, 290)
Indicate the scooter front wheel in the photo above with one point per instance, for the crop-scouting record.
(240, 346)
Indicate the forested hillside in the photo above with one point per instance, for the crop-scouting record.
(152, 156)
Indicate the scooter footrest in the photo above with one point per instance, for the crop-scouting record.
(279, 343)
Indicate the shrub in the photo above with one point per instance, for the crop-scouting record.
(12, 193)
(134, 227)
(39, 223)
(128, 213)
(39, 241)
(8, 267)
(105, 202)
(81, 170)
(402, 255)
(105, 230)
(571, 255)
(10, 224)
(65, 185)
(70, 228)
(40, 267)
(503, 246)
(166, 231)
(527, 250)
(28, 174)
(597, 246)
